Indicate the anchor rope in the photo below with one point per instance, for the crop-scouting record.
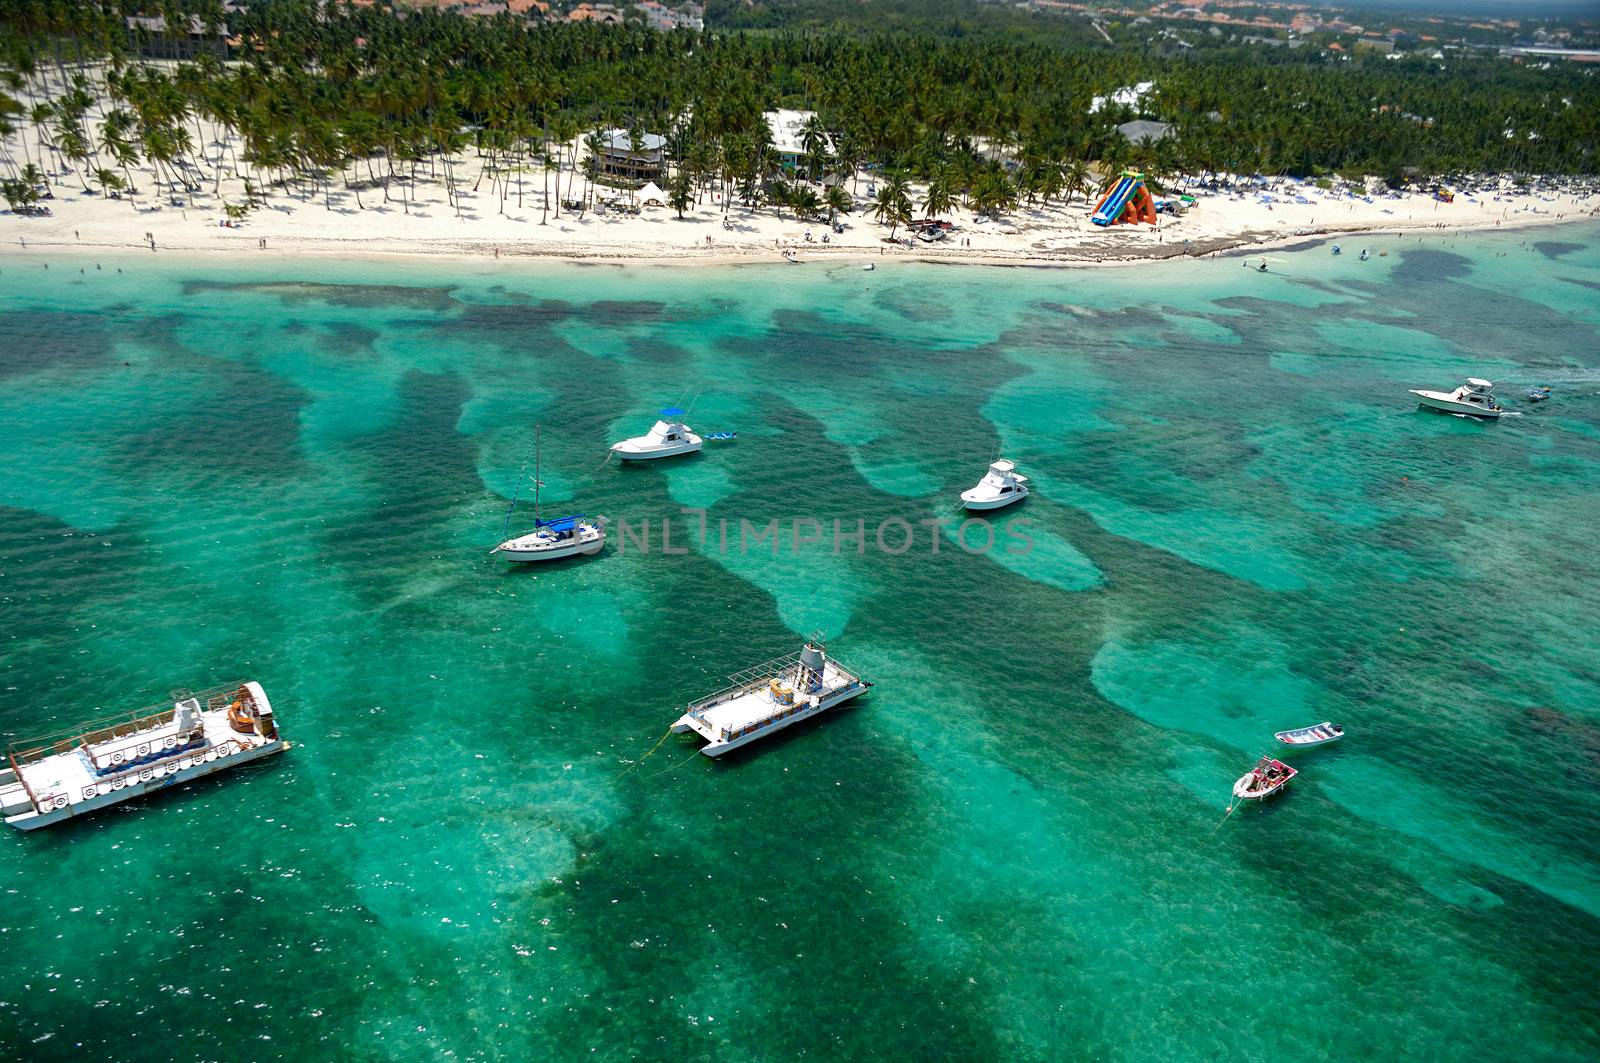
(665, 735)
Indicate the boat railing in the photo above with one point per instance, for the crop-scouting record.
(121, 725)
(743, 682)
(179, 760)
(796, 709)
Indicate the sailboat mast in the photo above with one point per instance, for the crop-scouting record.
(536, 484)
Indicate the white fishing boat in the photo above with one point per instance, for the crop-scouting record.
(103, 763)
(1475, 398)
(1268, 777)
(1316, 735)
(1000, 487)
(551, 540)
(769, 697)
(667, 439)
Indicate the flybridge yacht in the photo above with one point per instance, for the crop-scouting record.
(551, 540)
(103, 763)
(769, 697)
(669, 438)
(1000, 487)
(1475, 398)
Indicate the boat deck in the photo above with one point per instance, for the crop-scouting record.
(755, 705)
(85, 768)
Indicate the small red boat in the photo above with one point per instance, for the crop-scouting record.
(1262, 781)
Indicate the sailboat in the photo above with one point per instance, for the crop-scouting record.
(551, 540)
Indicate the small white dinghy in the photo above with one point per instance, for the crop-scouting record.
(1000, 486)
(1317, 735)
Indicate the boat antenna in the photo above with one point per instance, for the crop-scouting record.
(537, 483)
(515, 491)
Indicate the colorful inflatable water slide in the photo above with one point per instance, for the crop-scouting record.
(1128, 202)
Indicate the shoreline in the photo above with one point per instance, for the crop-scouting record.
(1237, 245)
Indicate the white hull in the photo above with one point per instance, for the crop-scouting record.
(106, 768)
(184, 769)
(973, 501)
(641, 449)
(1443, 402)
(527, 549)
(718, 746)
(1242, 792)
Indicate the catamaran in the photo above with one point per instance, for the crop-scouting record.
(769, 697)
(96, 765)
(667, 439)
(1000, 486)
(551, 540)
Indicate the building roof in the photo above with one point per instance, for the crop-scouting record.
(788, 131)
(620, 141)
(1140, 131)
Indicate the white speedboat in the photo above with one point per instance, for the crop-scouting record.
(1268, 777)
(551, 540)
(95, 765)
(1475, 398)
(769, 697)
(1000, 487)
(667, 439)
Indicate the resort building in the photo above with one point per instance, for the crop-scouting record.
(661, 17)
(788, 129)
(621, 156)
(1144, 131)
(603, 13)
(151, 39)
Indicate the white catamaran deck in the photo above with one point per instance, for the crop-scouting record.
(768, 698)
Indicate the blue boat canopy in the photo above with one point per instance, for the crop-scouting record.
(672, 411)
(560, 524)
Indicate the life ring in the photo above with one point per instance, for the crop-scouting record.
(145, 774)
(144, 750)
(118, 783)
(116, 758)
(61, 801)
(171, 741)
(91, 792)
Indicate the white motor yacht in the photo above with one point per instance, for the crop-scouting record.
(669, 438)
(551, 540)
(1475, 398)
(1000, 487)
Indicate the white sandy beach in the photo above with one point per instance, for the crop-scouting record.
(298, 219)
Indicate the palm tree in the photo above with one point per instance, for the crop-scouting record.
(814, 142)
(680, 196)
(940, 197)
(110, 183)
(838, 201)
(893, 204)
(805, 201)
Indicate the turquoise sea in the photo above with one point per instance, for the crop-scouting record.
(1013, 848)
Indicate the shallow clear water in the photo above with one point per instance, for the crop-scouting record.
(1012, 848)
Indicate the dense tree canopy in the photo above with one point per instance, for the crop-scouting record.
(313, 86)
